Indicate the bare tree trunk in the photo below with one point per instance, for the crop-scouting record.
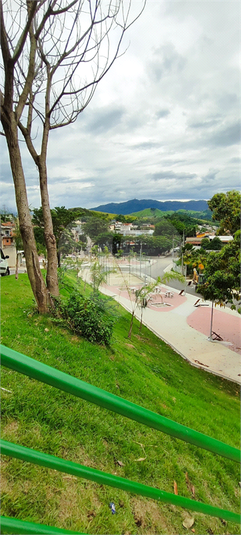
(16, 267)
(52, 274)
(38, 286)
(131, 325)
(141, 318)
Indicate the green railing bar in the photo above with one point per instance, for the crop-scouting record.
(20, 527)
(46, 374)
(69, 467)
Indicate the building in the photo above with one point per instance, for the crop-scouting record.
(196, 241)
(128, 229)
(7, 242)
(7, 233)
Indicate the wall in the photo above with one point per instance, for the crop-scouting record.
(10, 250)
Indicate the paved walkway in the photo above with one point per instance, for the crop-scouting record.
(186, 328)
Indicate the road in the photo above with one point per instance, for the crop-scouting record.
(20, 270)
(152, 269)
(157, 270)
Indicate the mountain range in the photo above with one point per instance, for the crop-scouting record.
(135, 205)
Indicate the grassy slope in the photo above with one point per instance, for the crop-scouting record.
(150, 213)
(157, 214)
(143, 370)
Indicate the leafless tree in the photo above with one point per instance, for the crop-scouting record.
(54, 52)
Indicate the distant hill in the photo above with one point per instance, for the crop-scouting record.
(152, 212)
(133, 206)
(155, 214)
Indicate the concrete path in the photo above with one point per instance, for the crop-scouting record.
(184, 327)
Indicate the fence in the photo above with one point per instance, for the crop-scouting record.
(46, 374)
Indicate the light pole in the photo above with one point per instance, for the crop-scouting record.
(185, 279)
(140, 257)
(183, 243)
(211, 326)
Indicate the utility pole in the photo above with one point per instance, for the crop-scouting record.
(183, 243)
(140, 257)
(211, 326)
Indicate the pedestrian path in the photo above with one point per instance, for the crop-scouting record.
(171, 324)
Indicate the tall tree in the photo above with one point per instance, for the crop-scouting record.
(95, 226)
(226, 210)
(165, 228)
(222, 273)
(222, 277)
(61, 218)
(54, 52)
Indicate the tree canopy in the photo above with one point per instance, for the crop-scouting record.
(226, 208)
(165, 228)
(61, 217)
(213, 245)
(222, 273)
(95, 226)
(183, 223)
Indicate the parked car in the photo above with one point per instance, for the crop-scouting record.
(4, 269)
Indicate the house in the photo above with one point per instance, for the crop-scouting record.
(223, 239)
(7, 242)
(7, 233)
(128, 229)
(196, 241)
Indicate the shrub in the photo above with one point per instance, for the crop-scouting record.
(87, 318)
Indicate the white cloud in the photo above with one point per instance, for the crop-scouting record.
(168, 108)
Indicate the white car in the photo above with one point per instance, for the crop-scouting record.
(4, 269)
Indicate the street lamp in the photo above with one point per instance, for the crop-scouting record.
(140, 257)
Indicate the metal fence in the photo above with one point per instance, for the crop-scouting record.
(51, 376)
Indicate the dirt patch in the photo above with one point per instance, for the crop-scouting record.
(139, 514)
(78, 501)
(68, 501)
(26, 486)
(139, 337)
(148, 514)
(11, 428)
(75, 339)
(5, 487)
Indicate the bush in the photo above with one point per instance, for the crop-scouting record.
(87, 318)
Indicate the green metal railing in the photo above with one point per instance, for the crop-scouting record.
(41, 372)
(13, 525)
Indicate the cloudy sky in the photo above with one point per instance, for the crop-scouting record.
(165, 121)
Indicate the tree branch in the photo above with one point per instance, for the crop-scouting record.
(23, 37)
(28, 141)
(65, 9)
(4, 40)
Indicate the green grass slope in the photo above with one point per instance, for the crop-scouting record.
(204, 217)
(150, 212)
(143, 370)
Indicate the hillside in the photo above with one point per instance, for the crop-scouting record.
(151, 213)
(143, 370)
(135, 205)
(155, 213)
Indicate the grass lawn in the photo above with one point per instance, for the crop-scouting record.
(143, 370)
